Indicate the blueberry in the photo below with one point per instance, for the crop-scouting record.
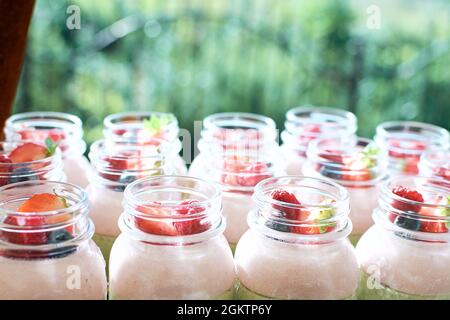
(22, 174)
(330, 172)
(407, 223)
(58, 236)
(125, 179)
(277, 226)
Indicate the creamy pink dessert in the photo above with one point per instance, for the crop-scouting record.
(406, 141)
(358, 165)
(297, 246)
(46, 251)
(237, 150)
(145, 127)
(406, 254)
(115, 165)
(171, 245)
(305, 124)
(63, 129)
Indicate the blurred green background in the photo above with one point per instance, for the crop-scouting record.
(195, 58)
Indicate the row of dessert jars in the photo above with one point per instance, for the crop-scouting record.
(116, 164)
(358, 165)
(28, 161)
(172, 244)
(406, 254)
(237, 150)
(61, 128)
(66, 130)
(402, 141)
(46, 251)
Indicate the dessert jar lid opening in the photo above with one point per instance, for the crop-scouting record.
(172, 209)
(301, 209)
(62, 128)
(415, 208)
(235, 129)
(352, 162)
(313, 122)
(120, 163)
(140, 126)
(41, 217)
(411, 138)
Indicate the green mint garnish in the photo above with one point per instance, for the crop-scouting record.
(445, 212)
(51, 146)
(156, 123)
(367, 156)
(324, 214)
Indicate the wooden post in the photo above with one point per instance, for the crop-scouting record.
(15, 17)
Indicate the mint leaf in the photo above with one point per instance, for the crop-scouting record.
(156, 123)
(51, 146)
(367, 155)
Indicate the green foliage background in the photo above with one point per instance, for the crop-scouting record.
(195, 58)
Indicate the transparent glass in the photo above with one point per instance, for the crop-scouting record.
(406, 141)
(66, 129)
(154, 264)
(436, 164)
(307, 123)
(116, 165)
(406, 254)
(48, 255)
(49, 168)
(358, 165)
(275, 261)
(237, 150)
(131, 127)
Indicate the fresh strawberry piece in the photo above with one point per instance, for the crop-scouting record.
(193, 226)
(157, 225)
(5, 168)
(441, 172)
(408, 194)
(432, 226)
(25, 238)
(56, 135)
(43, 202)
(242, 172)
(287, 197)
(332, 155)
(28, 152)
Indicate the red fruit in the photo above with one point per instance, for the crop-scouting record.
(5, 168)
(25, 238)
(332, 155)
(287, 197)
(241, 172)
(193, 226)
(431, 226)
(28, 152)
(157, 225)
(441, 172)
(43, 202)
(408, 194)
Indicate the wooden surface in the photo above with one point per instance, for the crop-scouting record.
(15, 16)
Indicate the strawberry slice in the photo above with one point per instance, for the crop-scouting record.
(25, 238)
(43, 202)
(287, 197)
(157, 226)
(408, 194)
(441, 172)
(5, 168)
(193, 226)
(28, 152)
(243, 172)
(431, 226)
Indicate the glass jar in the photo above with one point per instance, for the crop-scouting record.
(356, 164)
(116, 165)
(141, 127)
(172, 244)
(436, 164)
(405, 141)
(49, 168)
(62, 128)
(406, 254)
(297, 250)
(305, 124)
(48, 255)
(237, 150)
